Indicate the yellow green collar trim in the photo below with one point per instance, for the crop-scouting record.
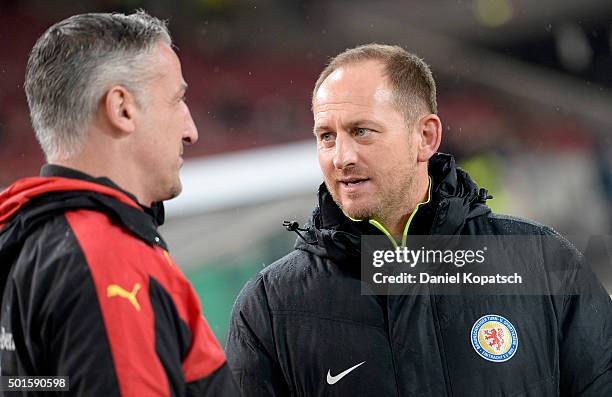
(380, 227)
(405, 234)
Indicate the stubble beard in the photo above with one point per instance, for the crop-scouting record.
(364, 211)
(394, 194)
(170, 188)
(175, 188)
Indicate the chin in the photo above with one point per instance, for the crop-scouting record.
(172, 192)
(358, 211)
(175, 191)
(354, 206)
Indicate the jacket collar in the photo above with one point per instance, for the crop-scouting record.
(29, 201)
(156, 211)
(454, 200)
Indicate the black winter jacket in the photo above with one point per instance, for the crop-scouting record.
(301, 327)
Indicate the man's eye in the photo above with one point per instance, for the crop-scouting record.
(184, 98)
(361, 131)
(326, 136)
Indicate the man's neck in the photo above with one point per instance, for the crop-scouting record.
(396, 223)
(97, 168)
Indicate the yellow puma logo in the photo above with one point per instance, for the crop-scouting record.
(115, 290)
(168, 259)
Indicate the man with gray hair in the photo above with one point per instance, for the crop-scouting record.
(311, 324)
(90, 291)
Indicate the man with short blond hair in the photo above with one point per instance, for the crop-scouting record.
(304, 326)
(410, 78)
(90, 291)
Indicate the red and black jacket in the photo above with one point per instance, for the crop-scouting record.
(90, 292)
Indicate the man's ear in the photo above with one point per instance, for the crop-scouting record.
(429, 130)
(119, 108)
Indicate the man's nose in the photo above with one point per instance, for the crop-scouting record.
(190, 135)
(345, 154)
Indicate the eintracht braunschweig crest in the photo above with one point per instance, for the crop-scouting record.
(494, 338)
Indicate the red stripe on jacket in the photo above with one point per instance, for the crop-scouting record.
(119, 262)
(24, 190)
(205, 355)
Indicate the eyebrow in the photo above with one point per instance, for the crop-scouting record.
(319, 129)
(352, 124)
(361, 123)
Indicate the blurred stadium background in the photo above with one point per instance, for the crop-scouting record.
(524, 95)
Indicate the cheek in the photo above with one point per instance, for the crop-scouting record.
(325, 161)
(401, 152)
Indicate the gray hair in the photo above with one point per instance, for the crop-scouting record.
(411, 79)
(75, 62)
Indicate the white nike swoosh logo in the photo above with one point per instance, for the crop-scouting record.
(333, 379)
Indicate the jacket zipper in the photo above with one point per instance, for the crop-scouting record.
(390, 341)
(434, 307)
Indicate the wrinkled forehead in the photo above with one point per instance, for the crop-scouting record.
(360, 83)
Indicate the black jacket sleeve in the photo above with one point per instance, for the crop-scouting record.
(54, 315)
(585, 348)
(251, 351)
(218, 384)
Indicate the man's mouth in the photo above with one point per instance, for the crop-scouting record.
(353, 182)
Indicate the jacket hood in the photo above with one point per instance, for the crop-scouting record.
(24, 191)
(30, 201)
(455, 198)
